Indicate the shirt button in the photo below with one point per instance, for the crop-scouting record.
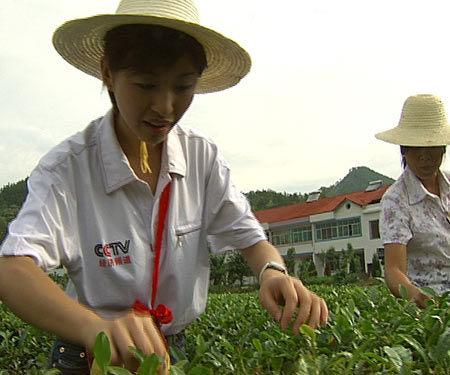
(62, 349)
(82, 354)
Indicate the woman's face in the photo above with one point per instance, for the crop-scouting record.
(424, 161)
(150, 104)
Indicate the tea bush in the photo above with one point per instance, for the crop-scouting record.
(23, 348)
(370, 332)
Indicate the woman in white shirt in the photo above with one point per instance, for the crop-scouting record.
(130, 204)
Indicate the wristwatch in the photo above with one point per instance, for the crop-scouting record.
(272, 265)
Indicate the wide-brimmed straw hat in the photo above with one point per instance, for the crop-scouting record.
(80, 41)
(423, 123)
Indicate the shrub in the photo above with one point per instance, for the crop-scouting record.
(370, 332)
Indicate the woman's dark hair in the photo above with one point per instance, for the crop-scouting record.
(140, 47)
(405, 149)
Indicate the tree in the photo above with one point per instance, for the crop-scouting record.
(331, 261)
(13, 194)
(306, 269)
(355, 265)
(376, 266)
(3, 228)
(348, 256)
(320, 262)
(237, 268)
(219, 269)
(6, 216)
(290, 261)
(264, 199)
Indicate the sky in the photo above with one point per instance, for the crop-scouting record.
(326, 76)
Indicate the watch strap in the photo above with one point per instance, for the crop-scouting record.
(274, 266)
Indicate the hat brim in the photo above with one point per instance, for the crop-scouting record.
(415, 138)
(80, 43)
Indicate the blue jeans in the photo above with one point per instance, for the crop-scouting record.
(72, 359)
(69, 359)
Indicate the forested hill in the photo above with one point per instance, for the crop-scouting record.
(263, 199)
(13, 194)
(11, 199)
(357, 179)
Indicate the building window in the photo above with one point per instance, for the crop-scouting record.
(374, 229)
(301, 234)
(326, 231)
(280, 237)
(338, 229)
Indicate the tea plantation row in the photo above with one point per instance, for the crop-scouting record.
(370, 332)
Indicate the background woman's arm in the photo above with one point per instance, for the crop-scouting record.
(396, 273)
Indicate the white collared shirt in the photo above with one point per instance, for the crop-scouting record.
(412, 216)
(87, 210)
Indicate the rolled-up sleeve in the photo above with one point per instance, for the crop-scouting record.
(231, 223)
(41, 230)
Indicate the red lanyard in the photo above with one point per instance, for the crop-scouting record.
(162, 313)
(162, 213)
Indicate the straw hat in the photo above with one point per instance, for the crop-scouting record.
(422, 124)
(80, 41)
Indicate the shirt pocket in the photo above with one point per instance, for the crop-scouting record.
(187, 232)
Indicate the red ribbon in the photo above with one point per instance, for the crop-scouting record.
(162, 313)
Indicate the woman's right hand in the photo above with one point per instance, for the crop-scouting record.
(130, 329)
(33, 296)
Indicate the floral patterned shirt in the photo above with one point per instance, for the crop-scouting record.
(412, 216)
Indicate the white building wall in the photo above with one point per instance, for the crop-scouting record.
(370, 214)
(346, 210)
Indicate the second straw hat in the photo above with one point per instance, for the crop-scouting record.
(423, 123)
(80, 41)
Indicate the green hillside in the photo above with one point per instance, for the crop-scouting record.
(11, 199)
(357, 179)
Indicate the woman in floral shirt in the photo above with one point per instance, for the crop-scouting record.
(414, 222)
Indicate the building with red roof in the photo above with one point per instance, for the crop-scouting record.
(315, 226)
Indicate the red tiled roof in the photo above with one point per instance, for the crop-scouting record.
(298, 210)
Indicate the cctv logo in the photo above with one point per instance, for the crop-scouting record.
(112, 249)
(113, 254)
